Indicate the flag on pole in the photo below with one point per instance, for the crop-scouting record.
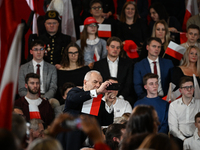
(92, 106)
(104, 30)
(172, 95)
(196, 86)
(175, 50)
(191, 10)
(9, 79)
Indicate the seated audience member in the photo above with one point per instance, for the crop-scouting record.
(78, 99)
(93, 47)
(54, 40)
(192, 36)
(193, 143)
(72, 67)
(32, 105)
(131, 26)
(150, 82)
(46, 71)
(45, 143)
(116, 66)
(114, 135)
(158, 141)
(158, 12)
(120, 106)
(152, 64)
(190, 66)
(182, 111)
(65, 89)
(36, 128)
(96, 11)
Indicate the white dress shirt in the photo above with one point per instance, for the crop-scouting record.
(41, 74)
(181, 117)
(192, 143)
(160, 90)
(113, 67)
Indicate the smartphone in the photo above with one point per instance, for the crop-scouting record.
(114, 86)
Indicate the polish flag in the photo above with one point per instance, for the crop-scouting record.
(104, 30)
(196, 86)
(92, 106)
(191, 10)
(175, 50)
(96, 55)
(183, 38)
(10, 43)
(172, 95)
(32, 5)
(34, 112)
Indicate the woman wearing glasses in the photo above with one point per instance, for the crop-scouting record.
(190, 65)
(72, 67)
(93, 47)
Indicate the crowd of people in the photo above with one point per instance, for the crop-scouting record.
(105, 92)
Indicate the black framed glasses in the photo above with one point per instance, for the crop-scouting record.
(188, 87)
(97, 8)
(37, 49)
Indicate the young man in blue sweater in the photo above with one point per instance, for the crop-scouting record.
(150, 82)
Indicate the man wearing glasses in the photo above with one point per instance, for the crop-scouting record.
(46, 71)
(182, 111)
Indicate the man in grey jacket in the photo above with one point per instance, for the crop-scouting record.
(47, 72)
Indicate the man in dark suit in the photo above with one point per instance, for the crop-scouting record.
(54, 40)
(116, 66)
(152, 64)
(47, 72)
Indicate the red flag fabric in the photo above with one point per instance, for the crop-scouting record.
(175, 50)
(191, 9)
(9, 79)
(183, 38)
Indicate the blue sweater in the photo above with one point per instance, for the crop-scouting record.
(161, 107)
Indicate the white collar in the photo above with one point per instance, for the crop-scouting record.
(92, 42)
(35, 63)
(117, 60)
(151, 61)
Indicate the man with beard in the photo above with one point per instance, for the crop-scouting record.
(46, 71)
(32, 105)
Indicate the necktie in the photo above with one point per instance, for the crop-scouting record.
(38, 72)
(155, 68)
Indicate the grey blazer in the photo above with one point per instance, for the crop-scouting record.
(49, 79)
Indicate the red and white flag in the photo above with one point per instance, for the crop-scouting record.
(183, 38)
(172, 95)
(104, 30)
(92, 106)
(34, 112)
(175, 50)
(191, 10)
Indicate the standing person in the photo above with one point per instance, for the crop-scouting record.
(152, 64)
(116, 66)
(94, 48)
(182, 111)
(54, 40)
(150, 82)
(131, 27)
(46, 71)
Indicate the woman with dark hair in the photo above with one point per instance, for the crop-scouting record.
(72, 66)
(93, 47)
(158, 12)
(131, 27)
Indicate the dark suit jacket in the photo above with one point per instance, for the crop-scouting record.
(49, 79)
(74, 102)
(124, 74)
(143, 67)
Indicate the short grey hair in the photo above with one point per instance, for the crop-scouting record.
(34, 124)
(88, 74)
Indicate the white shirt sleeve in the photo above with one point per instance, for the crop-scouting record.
(173, 123)
(93, 93)
(186, 145)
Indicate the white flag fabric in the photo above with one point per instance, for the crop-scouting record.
(196, 86)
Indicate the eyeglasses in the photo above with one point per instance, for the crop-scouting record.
(36, 49)
(92, 25)
(188, 87)
(96, 8)
(73, 53)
